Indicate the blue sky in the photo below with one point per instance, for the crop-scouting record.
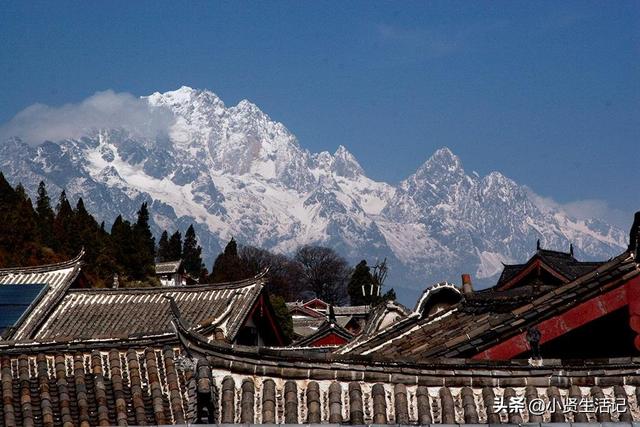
(546, 92)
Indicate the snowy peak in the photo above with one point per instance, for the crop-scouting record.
(345, 164)
(185, 101)
(442, 162)
(233, 171)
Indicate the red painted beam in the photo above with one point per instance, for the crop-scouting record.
(569, 320)
(331, 339)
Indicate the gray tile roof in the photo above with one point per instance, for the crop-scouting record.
(58, 277)
(168, 267)
(100, 313)
(464, 329)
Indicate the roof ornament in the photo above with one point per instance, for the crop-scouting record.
(538, 245)
(332, 315)
(571, 249)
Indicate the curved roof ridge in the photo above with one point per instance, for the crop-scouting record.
(170, 289)
(44, 267)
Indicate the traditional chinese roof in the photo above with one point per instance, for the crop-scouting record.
(168, 267)
(103, 313)
(316, 387)
(126, 382)
(316, 303)
(562, 264)
(57, 277)
(467, 328)
(298, 308)
(188, 379)
(326, 329)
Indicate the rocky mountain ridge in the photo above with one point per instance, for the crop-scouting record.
(235, 172)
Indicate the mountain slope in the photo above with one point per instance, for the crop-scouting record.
(235, 172)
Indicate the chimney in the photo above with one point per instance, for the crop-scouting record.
(467, 286)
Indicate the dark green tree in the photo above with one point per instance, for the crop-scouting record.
(192, 253)
(85, 229)
(63, 227)
(144, 245)
(122, 245)
(19, 230)
(20, 242)
(175, 247)
(228, 267)
(163, 253)
(44, 215)
(362, 289)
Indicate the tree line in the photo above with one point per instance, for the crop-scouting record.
(41, 233)
(311, 272)
(32, 235)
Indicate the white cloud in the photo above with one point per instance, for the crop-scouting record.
(103, 110)
(586, 209)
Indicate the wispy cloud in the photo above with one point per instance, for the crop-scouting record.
(427, 42)
(587, 209)
(433, 42)
(102, 110)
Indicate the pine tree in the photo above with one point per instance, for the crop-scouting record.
(8, 235)
(228, 266)
(85, 228)
(144, 245)
(362, 290)
(19, 235)
(192, 253)
(44, 215)
(63, 227)
(163, 253)
(106, 263)
(122, 245)
(25, 226)
(175, 247)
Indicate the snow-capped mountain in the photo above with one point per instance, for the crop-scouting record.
(235, 172)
